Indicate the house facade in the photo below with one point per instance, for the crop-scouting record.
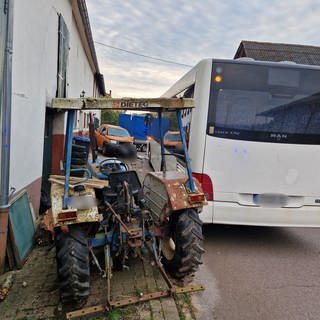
(53, 56)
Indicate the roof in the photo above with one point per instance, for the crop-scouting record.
(267, 51)
(82, 19)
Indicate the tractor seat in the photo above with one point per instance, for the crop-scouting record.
(117, 178)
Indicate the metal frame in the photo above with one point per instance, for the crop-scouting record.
(68, 147)
(133, 300)
(186, 154)
(172, 290)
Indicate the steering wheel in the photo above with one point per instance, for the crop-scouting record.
(111, 165)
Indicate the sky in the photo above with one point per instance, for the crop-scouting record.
(185, 32)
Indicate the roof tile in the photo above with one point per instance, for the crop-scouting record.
(267, 51)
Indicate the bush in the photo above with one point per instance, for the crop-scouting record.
(110, 117)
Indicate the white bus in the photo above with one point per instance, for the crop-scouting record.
(254, 140)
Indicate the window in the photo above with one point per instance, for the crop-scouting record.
(63, 53)
(260, 103)
(172, 136)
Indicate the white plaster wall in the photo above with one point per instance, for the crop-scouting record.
(35, 46)
(79, 68)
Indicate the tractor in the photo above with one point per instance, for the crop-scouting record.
(115, 211)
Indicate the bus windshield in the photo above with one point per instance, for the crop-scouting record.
(265, 103)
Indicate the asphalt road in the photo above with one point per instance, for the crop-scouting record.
(259, 273)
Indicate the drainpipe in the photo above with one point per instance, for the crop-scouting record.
(5, 117)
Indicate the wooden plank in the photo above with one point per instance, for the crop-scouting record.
(87, 184)
(73, 181)
(60, 103)
(61, 182)
(79, 179)
(166, 104)
(4, 217)
(10, 253)
(17, 261)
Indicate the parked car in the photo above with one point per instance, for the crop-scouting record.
(115, 141)
(172, 141)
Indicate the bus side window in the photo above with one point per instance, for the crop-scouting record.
(189, 92)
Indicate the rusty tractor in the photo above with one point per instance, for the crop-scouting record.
(121, 215)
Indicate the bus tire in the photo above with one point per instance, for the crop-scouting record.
(182, 249)
(72, 256)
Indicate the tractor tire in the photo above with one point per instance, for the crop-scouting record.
(72, 255)
(182, 248)
(78, 148)
(79, 161)
(78, 154)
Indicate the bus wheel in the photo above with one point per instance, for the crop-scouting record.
(72, 255)
(182, 249)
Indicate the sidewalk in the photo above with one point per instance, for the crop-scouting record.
(35, 294)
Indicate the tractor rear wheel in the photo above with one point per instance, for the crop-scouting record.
(73, 264)
(182, 248)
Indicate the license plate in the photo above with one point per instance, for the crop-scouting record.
(270, 200)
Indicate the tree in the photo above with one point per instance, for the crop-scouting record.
(110, 117)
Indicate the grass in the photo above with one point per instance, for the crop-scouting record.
(183, 303)
(114, 315)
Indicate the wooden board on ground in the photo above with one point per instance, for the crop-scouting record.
(21, 227)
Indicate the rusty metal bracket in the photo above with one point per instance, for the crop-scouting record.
(159, 265)
(136, 299)
(172, 290)
(85, 311)
(117, 216)
(132, 300)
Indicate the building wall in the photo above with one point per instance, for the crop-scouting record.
(35, 46)
(3, 29)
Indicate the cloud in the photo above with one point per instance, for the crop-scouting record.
(187, 32)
